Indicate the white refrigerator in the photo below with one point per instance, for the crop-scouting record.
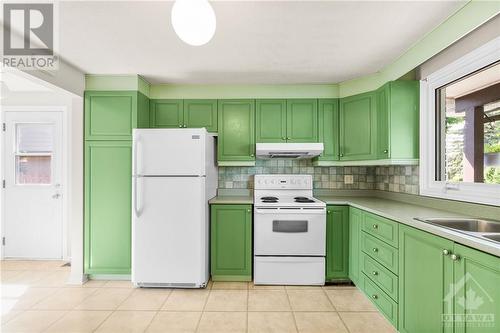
(174, 174)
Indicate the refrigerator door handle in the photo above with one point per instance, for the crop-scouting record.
(136, 209)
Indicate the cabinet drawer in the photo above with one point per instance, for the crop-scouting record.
(382, 301)
(381, 276)
(381, 228)
(384, 254)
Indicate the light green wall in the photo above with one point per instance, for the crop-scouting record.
(117, 82)
(473, 14)
(466, 19)
(244, 91)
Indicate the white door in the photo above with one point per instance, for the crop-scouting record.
(33, 174)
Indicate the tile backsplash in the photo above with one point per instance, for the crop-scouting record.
(402, 179)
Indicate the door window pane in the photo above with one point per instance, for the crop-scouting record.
(33, 169)
(468, 147)
(34, 138)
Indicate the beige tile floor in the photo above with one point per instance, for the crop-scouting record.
(35, 298)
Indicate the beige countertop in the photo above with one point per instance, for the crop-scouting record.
(231, 199)
(395, 210)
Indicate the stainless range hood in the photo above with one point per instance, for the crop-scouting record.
(288, 150)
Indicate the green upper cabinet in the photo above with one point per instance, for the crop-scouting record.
(337, 242)
(302, 120)
(425, 278)
(328, 128)
(270, 120)
(355, 222)
(111, 115)
(236, 141)
(201, 113)
(358, 127)
(167, 113)
(231, 242)
(476, 293)
(108, 174)
(397, 120)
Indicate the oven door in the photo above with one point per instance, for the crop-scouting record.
(289, 231)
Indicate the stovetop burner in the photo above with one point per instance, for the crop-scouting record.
(303, 199)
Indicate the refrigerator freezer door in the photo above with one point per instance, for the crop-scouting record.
(169, 232)
(169, 152)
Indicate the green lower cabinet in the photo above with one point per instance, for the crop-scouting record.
(231, 242)
(355, 221)
(476, 297)
(107, 232)
(425, 277)
(337, 243)
(387, 306)
(236, 140)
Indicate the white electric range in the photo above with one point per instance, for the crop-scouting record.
(289, 231)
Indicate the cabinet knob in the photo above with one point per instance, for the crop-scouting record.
(185, 125)
(375, 250)
(252, 155)
(374, 296)
(386, 151)
(341, 155)
(375, 273)
(180, 126)
(375, 226)
(288, 138)
(283, 138)
(249, 210)
(455, 257)
(328, 211)
(446, 252)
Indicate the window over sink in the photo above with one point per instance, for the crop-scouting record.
(460, 128)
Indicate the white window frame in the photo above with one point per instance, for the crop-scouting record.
(463, 191)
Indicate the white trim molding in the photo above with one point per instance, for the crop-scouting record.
(429, 186)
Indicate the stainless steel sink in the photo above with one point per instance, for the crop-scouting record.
(471, 225)
(493, 237)
(480, 228)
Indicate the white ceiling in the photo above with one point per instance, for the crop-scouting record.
(256, 42)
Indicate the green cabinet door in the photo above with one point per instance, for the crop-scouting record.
(167, 113)
(355, 222)
(236, 141)
(425, 276)
(477, 292)
(358, 127)
(383, 97)
(108, 174)
(328, 129)
(110, 115)
(231, 242)
(270, 120)
(337, 243)
(200, 113)
(302, 120)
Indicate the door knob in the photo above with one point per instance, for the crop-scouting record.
(375, 250)
(180, 126)
(386, 151)
(446, 252)
(455, 257)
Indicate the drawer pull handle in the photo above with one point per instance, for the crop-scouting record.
(375, 226)
(375, 250)
(374, 296)
(375, 273)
